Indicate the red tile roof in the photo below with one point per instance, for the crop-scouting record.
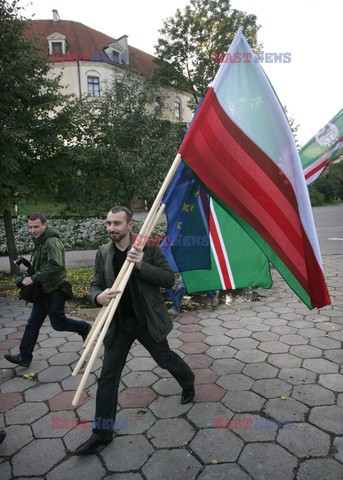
(84, 40)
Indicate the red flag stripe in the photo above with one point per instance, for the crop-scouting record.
(282, 242)
(218, 247)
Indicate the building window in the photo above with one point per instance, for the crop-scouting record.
(57, 47)
(93, 86)
(177, 108)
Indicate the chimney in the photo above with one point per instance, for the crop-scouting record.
(55, 17)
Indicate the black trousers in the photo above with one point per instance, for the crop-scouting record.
(114, 361)
(53, 306)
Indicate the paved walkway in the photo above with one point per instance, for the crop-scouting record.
(268, 371)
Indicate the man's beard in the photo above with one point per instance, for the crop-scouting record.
(117, 237)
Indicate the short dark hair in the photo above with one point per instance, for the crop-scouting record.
(119, 208)
(38, 216)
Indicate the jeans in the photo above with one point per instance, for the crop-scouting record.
(54, 307)
(114, 361)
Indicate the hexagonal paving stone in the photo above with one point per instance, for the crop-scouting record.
(16, 437)
(238, 333)
(325, 343)
(205, 375)
(25, 413)
(231, 365)
(89, 468)
(244, 343)
(271, 388)
(217, 330)
(54, 425)
(235, 381)
(169, 433)
(222, 471)
(9, 400)
(177, 464)
(221, 352)
(274, 347)
(320, 365)
(64, 358)
(338, 448)
(208, 393)
(329, 418)
(198, 360)
(243, 401)
(169, 407)
(204, 415)
(136, 397)
(251, 356)
(194, 347)
(142, 363)
(54, 374)
(284, 411)
(297, 376)
(39, 393)
(332, 381)
(63, 401)
(320, 469)
(17, 384)
(253, 428)
(187, 318)
(260, 370)
(267, 461)
(219, 444)
(334, 355)
(126, 453)
(210, 322)
(190, 328)
(139, 379)
(217, 340)
(266, 336)
(284, 330)
(304, 440)
(293, 339)
(313, 395)
(132, 421)
(167, 386)
(45, 455)
(284, 360)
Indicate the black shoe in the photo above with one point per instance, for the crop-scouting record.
(85, 335)
(188, 393)
(91, 445)
(17, 360)
(2, 435)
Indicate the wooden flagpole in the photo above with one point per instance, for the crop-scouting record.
(107, 311)
(111, 308)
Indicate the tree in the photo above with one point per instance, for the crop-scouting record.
(34, 118)
(190, 39)
(123, 146)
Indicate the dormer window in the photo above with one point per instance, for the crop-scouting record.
(57, 43)
(57, 47)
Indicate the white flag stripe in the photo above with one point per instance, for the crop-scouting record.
(217, 263)
(322, 159)
(228, 266)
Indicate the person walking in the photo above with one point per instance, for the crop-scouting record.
(141, 314)
(49, 270)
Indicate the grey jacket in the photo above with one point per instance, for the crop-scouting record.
(148, 302)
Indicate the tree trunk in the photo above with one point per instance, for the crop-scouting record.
(10, 240)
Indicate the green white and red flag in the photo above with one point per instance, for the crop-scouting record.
(324, 148)
(242, 149)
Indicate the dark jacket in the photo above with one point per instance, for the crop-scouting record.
(48, 261)
(148, 303)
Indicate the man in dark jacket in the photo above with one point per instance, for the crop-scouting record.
(49, 266)
(141, 315)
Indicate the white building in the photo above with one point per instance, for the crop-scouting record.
(88, 59)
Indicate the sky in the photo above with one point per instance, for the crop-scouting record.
(310, 30)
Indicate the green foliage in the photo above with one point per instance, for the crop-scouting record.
(122, 149)
(190, 39)
(34, 118)
(328, 188)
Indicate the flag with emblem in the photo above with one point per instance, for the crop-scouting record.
(324, 148)
(241, 148)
